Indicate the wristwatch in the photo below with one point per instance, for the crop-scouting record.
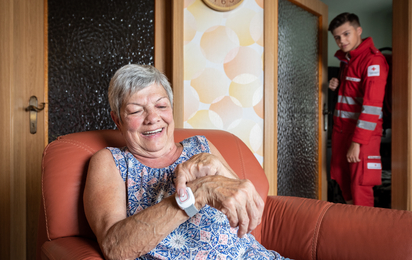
(187, 202)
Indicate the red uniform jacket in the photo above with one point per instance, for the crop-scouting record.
(361, 92)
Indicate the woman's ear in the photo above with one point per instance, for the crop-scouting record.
(115, 119)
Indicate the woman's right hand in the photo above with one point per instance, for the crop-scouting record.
(333, 84)
(236, 198)
(198, 166)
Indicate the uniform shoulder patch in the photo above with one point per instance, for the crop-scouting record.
(373, 70)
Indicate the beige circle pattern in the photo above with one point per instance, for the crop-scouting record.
(223, 70)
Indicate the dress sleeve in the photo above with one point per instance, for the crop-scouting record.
(119, 159)
(203, 144)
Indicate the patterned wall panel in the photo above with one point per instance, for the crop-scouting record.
(223, 70)
(88, 41)
(297, 101)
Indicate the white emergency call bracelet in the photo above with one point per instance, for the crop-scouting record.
(187, 202)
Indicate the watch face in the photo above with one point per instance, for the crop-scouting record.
(223, 5)
(184, 197)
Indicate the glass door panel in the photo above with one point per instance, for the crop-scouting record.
(298, 101)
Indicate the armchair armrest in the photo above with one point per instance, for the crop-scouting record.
(71, 248)
(301, 228)
(290, 225)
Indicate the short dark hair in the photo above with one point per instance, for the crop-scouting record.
(343, 18)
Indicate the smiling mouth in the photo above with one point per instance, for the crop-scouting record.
(149, 133)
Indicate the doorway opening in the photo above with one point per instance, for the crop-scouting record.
(376, 21)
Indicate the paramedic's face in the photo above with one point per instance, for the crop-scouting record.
(347, 37)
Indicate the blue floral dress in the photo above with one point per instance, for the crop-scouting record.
(207, 235)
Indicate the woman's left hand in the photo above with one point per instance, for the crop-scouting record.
(236, 198)
(200, 165)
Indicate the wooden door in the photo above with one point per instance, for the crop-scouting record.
(21, 76)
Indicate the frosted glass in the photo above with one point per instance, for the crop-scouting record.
(297, 101)
(87, 42)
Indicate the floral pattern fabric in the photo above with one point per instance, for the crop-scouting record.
(207, 235)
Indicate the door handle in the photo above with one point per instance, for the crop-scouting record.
(325, 113)
(33, 109)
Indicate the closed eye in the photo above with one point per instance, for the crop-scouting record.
(136, 112)
(162, 106)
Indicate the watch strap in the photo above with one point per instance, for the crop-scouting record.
(191, 210)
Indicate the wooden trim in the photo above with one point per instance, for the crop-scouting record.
(178, 62)
(323, 99)
(168, 49)
(270, 147)
(46, 74)
(315, 7)
(402, 105)
(159, 34)
(34, 143)
(163, 37)
(319, 9)
(409, 109)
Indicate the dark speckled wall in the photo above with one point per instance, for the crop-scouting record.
(87, 42)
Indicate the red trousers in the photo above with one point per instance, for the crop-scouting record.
(356, 180)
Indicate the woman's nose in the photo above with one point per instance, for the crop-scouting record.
(151, 116)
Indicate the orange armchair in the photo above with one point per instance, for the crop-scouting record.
(297, 228)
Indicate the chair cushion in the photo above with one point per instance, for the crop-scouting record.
(71, 248)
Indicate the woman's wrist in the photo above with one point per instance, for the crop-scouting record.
(198, 189)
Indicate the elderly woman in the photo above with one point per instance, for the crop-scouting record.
(157, 199)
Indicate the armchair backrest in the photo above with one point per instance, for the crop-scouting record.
(64, 169)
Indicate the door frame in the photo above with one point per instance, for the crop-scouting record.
(402, 105)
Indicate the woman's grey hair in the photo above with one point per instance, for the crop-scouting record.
(131, 78)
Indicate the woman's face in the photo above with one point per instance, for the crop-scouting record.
(147, 122)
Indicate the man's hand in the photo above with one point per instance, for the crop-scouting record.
(236, 198)
(353, 153)
(333, 84)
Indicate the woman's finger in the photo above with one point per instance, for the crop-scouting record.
(255, 210)
(182, 176)
(243, 221)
